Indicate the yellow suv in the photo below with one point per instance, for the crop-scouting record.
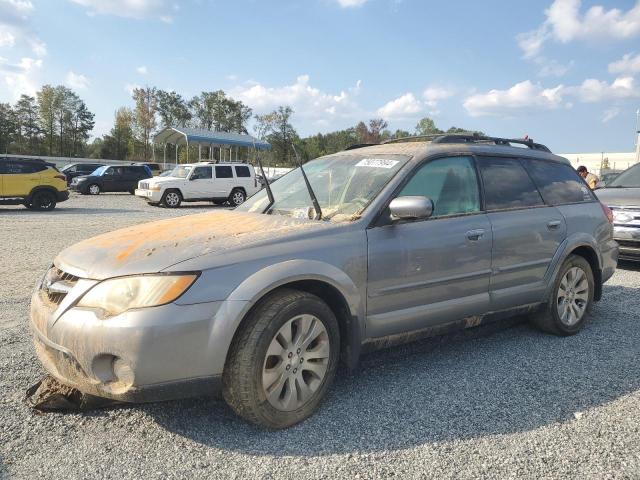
(36, 184)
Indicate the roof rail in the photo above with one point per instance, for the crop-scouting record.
(472, 137)
(360, 145)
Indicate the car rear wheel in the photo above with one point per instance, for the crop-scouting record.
(94, 189)
(171, 199)
(570, 299)
(43, 200)
(237, 197)
(283, 360)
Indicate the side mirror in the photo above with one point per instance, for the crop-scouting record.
(411, 208)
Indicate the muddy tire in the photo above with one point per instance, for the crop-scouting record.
(171, 199)
(283, 360)
(570, 300)
(43, 200)
(237, 197)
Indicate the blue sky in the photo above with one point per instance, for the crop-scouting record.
(565, 72)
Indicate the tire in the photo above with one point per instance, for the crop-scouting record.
(93, 189)
(237, 197)
(171, 199)
(251, 372)
(43, 200)
(132, 192)
(568, 305)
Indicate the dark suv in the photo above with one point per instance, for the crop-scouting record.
(114, 178)
(73, 170)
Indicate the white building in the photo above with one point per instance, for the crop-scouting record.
(603, 161)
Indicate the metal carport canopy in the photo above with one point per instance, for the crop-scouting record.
(200, 136)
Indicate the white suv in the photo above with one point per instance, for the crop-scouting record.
(218, 183)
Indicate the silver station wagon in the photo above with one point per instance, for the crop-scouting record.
(364, 248)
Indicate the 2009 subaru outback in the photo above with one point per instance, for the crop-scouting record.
(404, 239)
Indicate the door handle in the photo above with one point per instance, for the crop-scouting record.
(554, 224)
(475, 235)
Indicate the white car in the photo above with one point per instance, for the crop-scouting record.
(194, 182)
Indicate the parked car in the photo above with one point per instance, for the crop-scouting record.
(36, 184)
(156, 168)
(195, 182)
(73, 170)
(403, 240)
(607, 178)
(114, 178)
(622, 195)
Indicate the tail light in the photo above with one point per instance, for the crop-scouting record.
(61, 177)
(607, 212)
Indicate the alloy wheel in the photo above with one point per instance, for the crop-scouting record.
(573, 296)
(94, 189)
(296, 362)
(238, 198)
(172, 199)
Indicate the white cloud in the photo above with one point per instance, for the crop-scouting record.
(522, 96)
(351, 3)
(592, 90)
(20, 78)
(552, 68)
(610, 114)
(627, 64)
(405, 106)
(307, 101)
(432, 95)
(76, 80)
(565, 23)
(7, 39)
(142, 70)
(139, 9)
(13, 12)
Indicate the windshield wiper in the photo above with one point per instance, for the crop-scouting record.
(316, 205)
(266, 181)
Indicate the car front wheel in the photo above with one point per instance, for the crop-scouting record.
(570, 299)
(171, 199)
(94, 189)
(283, 360)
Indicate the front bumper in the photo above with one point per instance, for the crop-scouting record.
(78, 187)
(149, 354)
(153, 196)
(629, 240)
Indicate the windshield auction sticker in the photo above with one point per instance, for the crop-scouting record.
(377, 163)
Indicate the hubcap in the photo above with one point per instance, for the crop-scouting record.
(238, 198)
(172, 199)
(94, 189)
(573, 295)
(296, 362)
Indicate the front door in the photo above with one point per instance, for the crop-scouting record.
(201, 183)
(526, 232)
(111, 179)
(429, 272)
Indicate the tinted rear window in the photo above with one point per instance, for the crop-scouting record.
(223, 172)
(18, 167)
(507, 184)
(242, 172)
(559, 184)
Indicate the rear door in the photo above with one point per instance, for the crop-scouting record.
(433, 271)
(245, 178)
(224, 180)
(20, 177)
(526, 232)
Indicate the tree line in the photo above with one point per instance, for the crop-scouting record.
(57, 122)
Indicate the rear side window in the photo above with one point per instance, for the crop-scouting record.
(24, 167)
(242, 172)
(507, 184)
(559, 184)
(223, 171)
(451, 184)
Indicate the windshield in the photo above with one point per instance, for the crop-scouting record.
(344, 185)
(181, 171)
(99, 171)
(628, 178)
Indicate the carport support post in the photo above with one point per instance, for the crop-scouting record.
(187, 151)
(199, 152)
(176, 153)
(164, 156)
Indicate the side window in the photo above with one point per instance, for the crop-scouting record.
(200, 173)
(18, 167)
(223, 171)
(507, 185)
(109, 172)
(558, 183)
(242, 172)
(450, 182)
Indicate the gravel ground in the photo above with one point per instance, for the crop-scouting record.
(495, 404)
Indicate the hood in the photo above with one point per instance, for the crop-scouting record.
(619, 196)
(153, 247)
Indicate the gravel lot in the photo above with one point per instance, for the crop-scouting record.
(511, 403)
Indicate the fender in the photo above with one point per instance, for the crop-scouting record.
(569, 244)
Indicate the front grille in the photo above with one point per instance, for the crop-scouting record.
(144, 185)
(57, 284)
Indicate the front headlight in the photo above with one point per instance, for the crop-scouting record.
(118, 295)
(155, 188)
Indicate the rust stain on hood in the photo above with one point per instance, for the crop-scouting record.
(151, 247)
